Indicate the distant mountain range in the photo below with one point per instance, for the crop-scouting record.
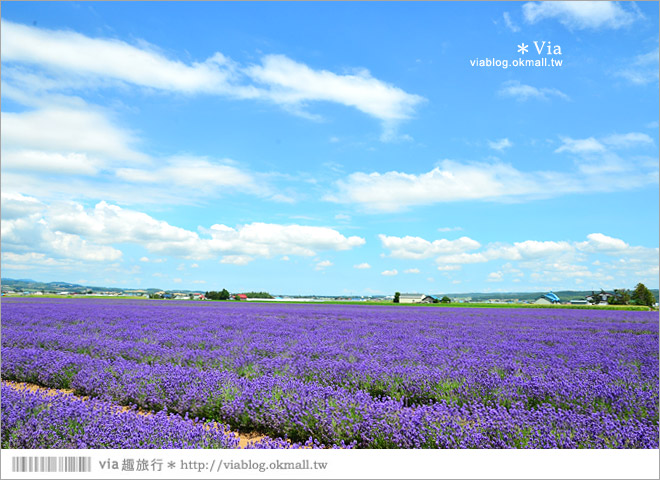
(28, 285)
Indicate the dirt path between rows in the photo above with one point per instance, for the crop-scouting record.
(244, 438)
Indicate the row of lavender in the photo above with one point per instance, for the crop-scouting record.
(37, 419)
(374, 376)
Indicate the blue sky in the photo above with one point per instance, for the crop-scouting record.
(331, 148)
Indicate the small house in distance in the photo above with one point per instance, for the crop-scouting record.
(547, 299)
(415, 298)
(601, 297)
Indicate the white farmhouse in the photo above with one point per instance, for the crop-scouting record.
(414, 298)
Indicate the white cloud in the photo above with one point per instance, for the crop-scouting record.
(177, 280)
(293, 83)
(501, 144)
(323, 264)
(417, 248)
(236, 259)
(362, 266)
(144, 259)
(82, 136)
(71, 57)
(597, 242)
(587, 145)
(509, 23)
(46, 162)
(69, 228)
(194, 265)
(390, 273)
(197, 173)
(591, 145)
(395, 191)
(411, 270)
(598, 169)
(522, 92)
(628, 140)
(15, 205)
(264, 239)
(66, 51)
(25, 229)
(495, 277)
(448, 268)
(581, 15)
(450, 229)
(529, 249)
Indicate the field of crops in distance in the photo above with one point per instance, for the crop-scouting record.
(325, 375)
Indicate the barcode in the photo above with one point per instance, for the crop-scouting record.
(51, 464)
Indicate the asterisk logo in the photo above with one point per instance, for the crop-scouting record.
(171, 465)
(522, 48)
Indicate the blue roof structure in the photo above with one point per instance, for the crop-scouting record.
(552, 297)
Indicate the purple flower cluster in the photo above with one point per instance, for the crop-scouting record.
(367, 376)
(34, 419)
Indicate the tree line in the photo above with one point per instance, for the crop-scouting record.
(639, 296)
(225, 295)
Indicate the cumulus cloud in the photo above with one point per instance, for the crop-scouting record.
(72, 230)
(597, 242)
(581, 15)
(411, 270)
(495, 277)
(599, 168)
(26, 231)
(362, 266)
(389, 273)
(554, 261)
(528, 249)
(417, 248)
(323, 264)
(522, 92)
(452, 181)
(15, 205)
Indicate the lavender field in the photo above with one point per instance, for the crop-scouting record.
(328, 375)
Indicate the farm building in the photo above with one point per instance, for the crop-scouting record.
(415, 298)
(579, 302)
(601, 297)
(547, 299)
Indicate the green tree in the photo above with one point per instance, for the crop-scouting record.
(223, 295)
(396, 297)
(445, 299)
(620, 297)
(642, 296)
